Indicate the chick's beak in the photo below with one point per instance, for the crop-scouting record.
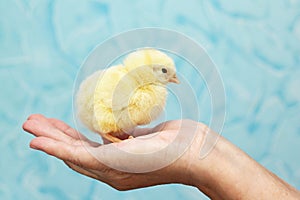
(174, 79)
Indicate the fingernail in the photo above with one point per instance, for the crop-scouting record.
(33, 147)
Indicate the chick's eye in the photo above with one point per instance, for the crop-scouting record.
(164, 70)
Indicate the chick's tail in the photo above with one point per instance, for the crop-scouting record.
(85, 100)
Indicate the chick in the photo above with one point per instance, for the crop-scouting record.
(114, 101)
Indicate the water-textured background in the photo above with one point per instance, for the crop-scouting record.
(255, 44)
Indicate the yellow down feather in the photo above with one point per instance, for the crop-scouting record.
(116, 100)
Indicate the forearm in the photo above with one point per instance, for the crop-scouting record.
(229, 173)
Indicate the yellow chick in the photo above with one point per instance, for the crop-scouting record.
(114, 101)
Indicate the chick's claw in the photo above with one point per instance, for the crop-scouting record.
(111, 138)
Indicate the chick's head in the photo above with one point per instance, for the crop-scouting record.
(154, 63)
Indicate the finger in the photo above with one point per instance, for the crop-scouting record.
(36, 116)
(66, 128)
(60, 125)
(78, 155)
(63, 127)
(41, 127)
(81, 170)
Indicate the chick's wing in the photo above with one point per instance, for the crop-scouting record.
(114, 88)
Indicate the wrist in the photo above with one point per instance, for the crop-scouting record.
(190, 169)
(211, 173)
(204, 170)
(227, 172)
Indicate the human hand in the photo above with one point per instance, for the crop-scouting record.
(105, 162)
(226, 173)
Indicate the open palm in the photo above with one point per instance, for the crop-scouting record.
(56, 138)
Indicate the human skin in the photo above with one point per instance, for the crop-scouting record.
(225, 173)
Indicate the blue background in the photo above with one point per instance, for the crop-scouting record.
(255, 44)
